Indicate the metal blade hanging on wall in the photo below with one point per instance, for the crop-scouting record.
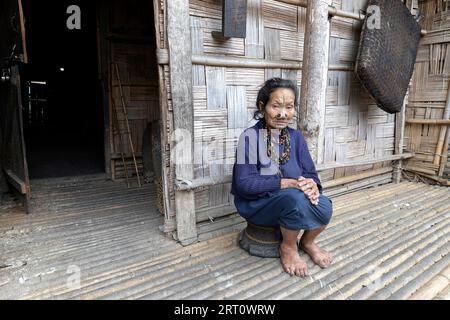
(387, 52)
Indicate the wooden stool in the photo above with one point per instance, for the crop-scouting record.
(260, 241)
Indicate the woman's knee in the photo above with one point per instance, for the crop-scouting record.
(326, 208)
(290, 197)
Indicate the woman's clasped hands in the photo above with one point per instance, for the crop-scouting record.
(310, 189)
(306, 185)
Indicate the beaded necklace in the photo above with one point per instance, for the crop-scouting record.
(284, 140)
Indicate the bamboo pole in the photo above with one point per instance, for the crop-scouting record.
(244, 62)
(116, 132)
(361, 253)
(444, 122)
(186, 184)
(385, 239)
(359, 176)
(124, 110)
(420, 170)
(399, 138)
(444, 154)
(433, 287)
(442, 181)
(443, 131)
(333, 11)
(402, 248)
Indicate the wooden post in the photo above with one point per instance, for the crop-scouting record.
(399, 139)
(314, 77)
(161, 46)
(180, 57)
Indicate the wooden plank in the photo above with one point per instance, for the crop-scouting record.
(17, 183)
(234, 14)
(254, 41)
(180, 53)
(272, 51)
(198, 72)
(215, 88)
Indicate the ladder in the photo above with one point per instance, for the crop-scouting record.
(127, 131)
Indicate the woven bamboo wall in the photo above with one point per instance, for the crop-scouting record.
(355, 128)
(428, 91)
(224, 97)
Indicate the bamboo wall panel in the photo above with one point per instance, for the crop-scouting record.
(224, 97)
(429, 90)
(254, 40)
(355, 128)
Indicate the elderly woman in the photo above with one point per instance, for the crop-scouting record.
(275, 182)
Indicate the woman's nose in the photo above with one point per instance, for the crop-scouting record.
(282, 114)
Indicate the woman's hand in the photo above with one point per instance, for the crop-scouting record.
(309, 187)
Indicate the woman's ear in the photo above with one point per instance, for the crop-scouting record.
(261, 106)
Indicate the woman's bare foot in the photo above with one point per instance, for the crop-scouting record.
(320, 257)
(291, 262)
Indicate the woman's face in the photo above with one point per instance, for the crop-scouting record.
(280, 108)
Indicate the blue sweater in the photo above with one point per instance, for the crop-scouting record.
(256, 176)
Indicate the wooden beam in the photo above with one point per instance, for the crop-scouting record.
(356, 177)
(214, 60)
(314, 77)
(205, 182)
(180, 55)
(348, 164)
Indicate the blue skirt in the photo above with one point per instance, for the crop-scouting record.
(288, 208)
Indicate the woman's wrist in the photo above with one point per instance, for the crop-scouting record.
(288, 183)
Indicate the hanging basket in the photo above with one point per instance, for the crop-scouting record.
(387, 53)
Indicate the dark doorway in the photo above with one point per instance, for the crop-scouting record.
(63, 116)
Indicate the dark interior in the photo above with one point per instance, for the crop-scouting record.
(62, 107)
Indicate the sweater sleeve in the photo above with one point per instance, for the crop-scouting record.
(309, 169)
(247, 179)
